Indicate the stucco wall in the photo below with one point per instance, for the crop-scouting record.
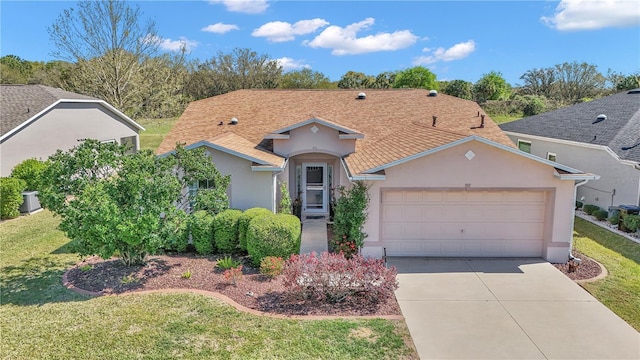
(491, 168)
(61, 128)
(624, 178)
(303, 140)
(248, 188)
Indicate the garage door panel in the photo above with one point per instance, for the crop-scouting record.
(463, 223)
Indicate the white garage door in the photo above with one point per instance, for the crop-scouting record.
(463, 223)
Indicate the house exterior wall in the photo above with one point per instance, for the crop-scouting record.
(247, 188)
(490, 169)
(304, 140)
(622, 177)
(61, 128)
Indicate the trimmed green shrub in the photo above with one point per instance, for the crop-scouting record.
(285, 206)
(11, 197)
(615, 219)
(601, 214)
(273, 235)
(631, 222)
(201, 229)
(176, 235)
(590, 209)
(225, 230)
(30, 171)
(243, 223)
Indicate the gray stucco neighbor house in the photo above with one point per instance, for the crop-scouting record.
(37, 120)
(600, 136)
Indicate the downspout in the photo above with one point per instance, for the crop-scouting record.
(275, 185)
(573, 219)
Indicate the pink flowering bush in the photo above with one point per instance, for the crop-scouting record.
(334, 278)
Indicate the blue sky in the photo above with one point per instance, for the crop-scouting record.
(454, 39)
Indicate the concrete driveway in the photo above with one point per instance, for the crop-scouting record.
(506, 309)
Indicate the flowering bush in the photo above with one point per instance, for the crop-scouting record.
(233, 275)
(342, 245)
(333, 278)
(271, 266)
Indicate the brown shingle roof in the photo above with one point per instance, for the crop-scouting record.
(19, 103)
(396, 123)
(238, 144)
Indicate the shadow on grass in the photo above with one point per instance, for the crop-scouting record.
(35, 281)
(68, 248)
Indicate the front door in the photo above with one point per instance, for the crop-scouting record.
(314, 185)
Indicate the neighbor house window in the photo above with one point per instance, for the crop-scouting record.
(130, 143)
(193, 190)
(524, 146)
(551, 156)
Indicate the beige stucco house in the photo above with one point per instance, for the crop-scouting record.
(600, 136)
(444, 179)
(37, 120)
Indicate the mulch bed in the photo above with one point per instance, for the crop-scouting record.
(587, 269)
(254, 290)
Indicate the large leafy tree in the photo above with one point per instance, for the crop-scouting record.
(355, 80)
(577, 81)
(305, 79)
(458, 88)
(540, 82)
(491, 86)
(113, 203)
(418, 77)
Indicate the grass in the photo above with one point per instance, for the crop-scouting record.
(40, 319)
(155, 131)
(620, 291)
(502, 119)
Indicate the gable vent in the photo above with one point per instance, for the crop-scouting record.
(361, 96)
(601, 117)
(634, 91)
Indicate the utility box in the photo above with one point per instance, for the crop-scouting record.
(31, 202)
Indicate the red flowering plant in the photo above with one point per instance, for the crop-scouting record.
(271, 266)
(342, 245)
(233, 275)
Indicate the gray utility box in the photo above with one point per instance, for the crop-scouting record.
(31, 202)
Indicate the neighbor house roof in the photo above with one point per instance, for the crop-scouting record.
(620, 131)
(19, 104)
(395, 123)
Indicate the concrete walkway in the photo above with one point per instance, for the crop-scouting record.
(506, 309)
(314, 237)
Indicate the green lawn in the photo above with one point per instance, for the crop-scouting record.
(620, 291)
(155, 131)
(40, 319)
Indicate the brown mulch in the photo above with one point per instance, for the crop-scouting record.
(254, 290)
(587, 269)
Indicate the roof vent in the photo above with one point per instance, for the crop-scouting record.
(433, 93)
(633, 91)
(601, 117)
(361, 96)
(234, 121)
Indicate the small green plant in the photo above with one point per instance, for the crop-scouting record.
(601, 214)
(129, 279)
(271, 266)
(86, 267)
(233, 275)
(227, 263)
(186, 274)
(11, 197)
(614, 219)
(285, 200)
(631, 222)
(590, 209)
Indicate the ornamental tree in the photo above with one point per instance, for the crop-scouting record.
(117, 204)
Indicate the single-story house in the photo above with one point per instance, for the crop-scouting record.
(600, 136)
(444, 179)
(37, 120)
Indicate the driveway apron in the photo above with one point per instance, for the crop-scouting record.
(506, 309)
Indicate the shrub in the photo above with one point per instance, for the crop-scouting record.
(273, 235)
(243, 224)
(233, 275)
(11, 197)
(175, 235)
(333, 278)
(351, 213)
(601, 214)
(631, 222)
(30, 171)
(579, 205)
(285, 206)
(227, 263)
(225, 230)
(271, 266)
(342, 245)
(201, 229)
(590, 209)
(614, 219)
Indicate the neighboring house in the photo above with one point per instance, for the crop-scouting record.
(37, 120)
(600, 136)
(444, 179)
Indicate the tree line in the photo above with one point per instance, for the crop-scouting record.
(107, 51)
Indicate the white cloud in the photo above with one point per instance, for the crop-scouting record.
(456, 52)
(344, 41)
(243, 6)
(594, 14)
(177, 45)
(289, 64)
(280, 31)
(220, 28)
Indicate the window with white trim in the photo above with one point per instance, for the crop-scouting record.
(552, 156)
(524, 146)
(130, 143)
